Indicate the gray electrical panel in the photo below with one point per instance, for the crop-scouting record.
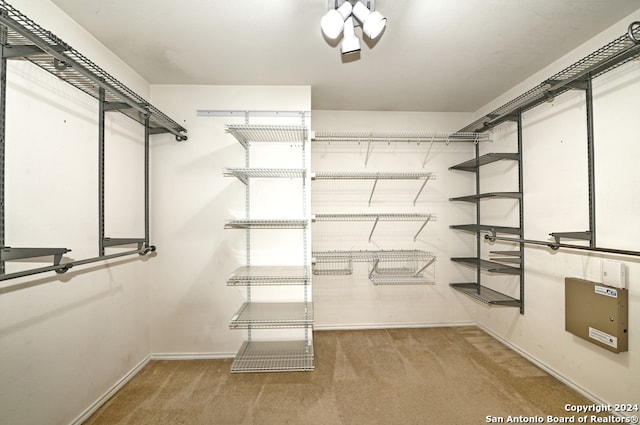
(597, 313)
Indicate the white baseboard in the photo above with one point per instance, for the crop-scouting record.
(111, 392)
(364, 326)
(192, 356)
(543, 366)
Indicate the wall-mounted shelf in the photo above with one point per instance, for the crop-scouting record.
(266, 224)
(480, 196)
(246, 134)
(475, 228)
(612, 55)
(396, 139)
(490, 266)
(426, 218)
(473, 164)
(375, 176)
(244, 174)
(270, 275)
(29, 41)
(486, 295)
(400, 267)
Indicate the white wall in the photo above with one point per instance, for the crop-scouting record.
(555, 199)
(67, 339)
(353, 301)
(191, 305)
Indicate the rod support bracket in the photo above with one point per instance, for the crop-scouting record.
(633, 26)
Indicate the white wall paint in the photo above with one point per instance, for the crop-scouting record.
(555, 188)
(191, 305)
(67, 339)
(353, 301)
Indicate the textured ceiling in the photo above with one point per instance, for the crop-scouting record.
(435, 55)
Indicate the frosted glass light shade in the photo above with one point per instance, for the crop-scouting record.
(332, 23)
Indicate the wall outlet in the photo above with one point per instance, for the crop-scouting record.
(614, 274)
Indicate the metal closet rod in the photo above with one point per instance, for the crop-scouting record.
(557, 245)
(63, 268)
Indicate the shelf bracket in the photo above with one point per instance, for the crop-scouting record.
(375, 223)
(417, 273)
(109, 242)
(426, 156)
(374, 269)
(421, 227)
(421, 189)
(9, 254)
(375, 183)
(366, 160)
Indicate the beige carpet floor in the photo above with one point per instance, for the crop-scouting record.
(451, 376)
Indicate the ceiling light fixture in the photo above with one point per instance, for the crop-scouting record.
(340, 20)
(350, 42)
(332, 23)
(373, 23)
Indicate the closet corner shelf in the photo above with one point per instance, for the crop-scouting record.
(27, 40)
(274, 356)
(473, 164)
(486, 295)
(266, 224)
(270, 275)
(476, 198)
(249, 133)
(273, 315)
(487, 265)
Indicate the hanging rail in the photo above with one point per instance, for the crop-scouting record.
(618, 52)
(492, 237)
(64, 267)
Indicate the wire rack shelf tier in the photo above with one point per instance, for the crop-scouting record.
(27, 40)
(486, 295)
(273, 315)
(249, 133)
(266, 224)
(374, 216)
(399, 137)
(274, 356)
(614, 54)
(270, 275)
(244, 174)
(328, 175)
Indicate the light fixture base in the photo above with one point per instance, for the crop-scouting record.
(331, 4)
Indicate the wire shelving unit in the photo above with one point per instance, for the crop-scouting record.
(272, 356)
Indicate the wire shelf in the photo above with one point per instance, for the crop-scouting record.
(244, 174)
(274, 356)
(267, 224)
(476, 198)
(607, 58)
(486, 295)
(473, 164)
(365, 256)
(27, 40)
(268, 315)
(246, 134)
(270, 275)
(375, 216)
(380, 280)
(486, 228)
(487, 265)
(327, 175)
(400, 137)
